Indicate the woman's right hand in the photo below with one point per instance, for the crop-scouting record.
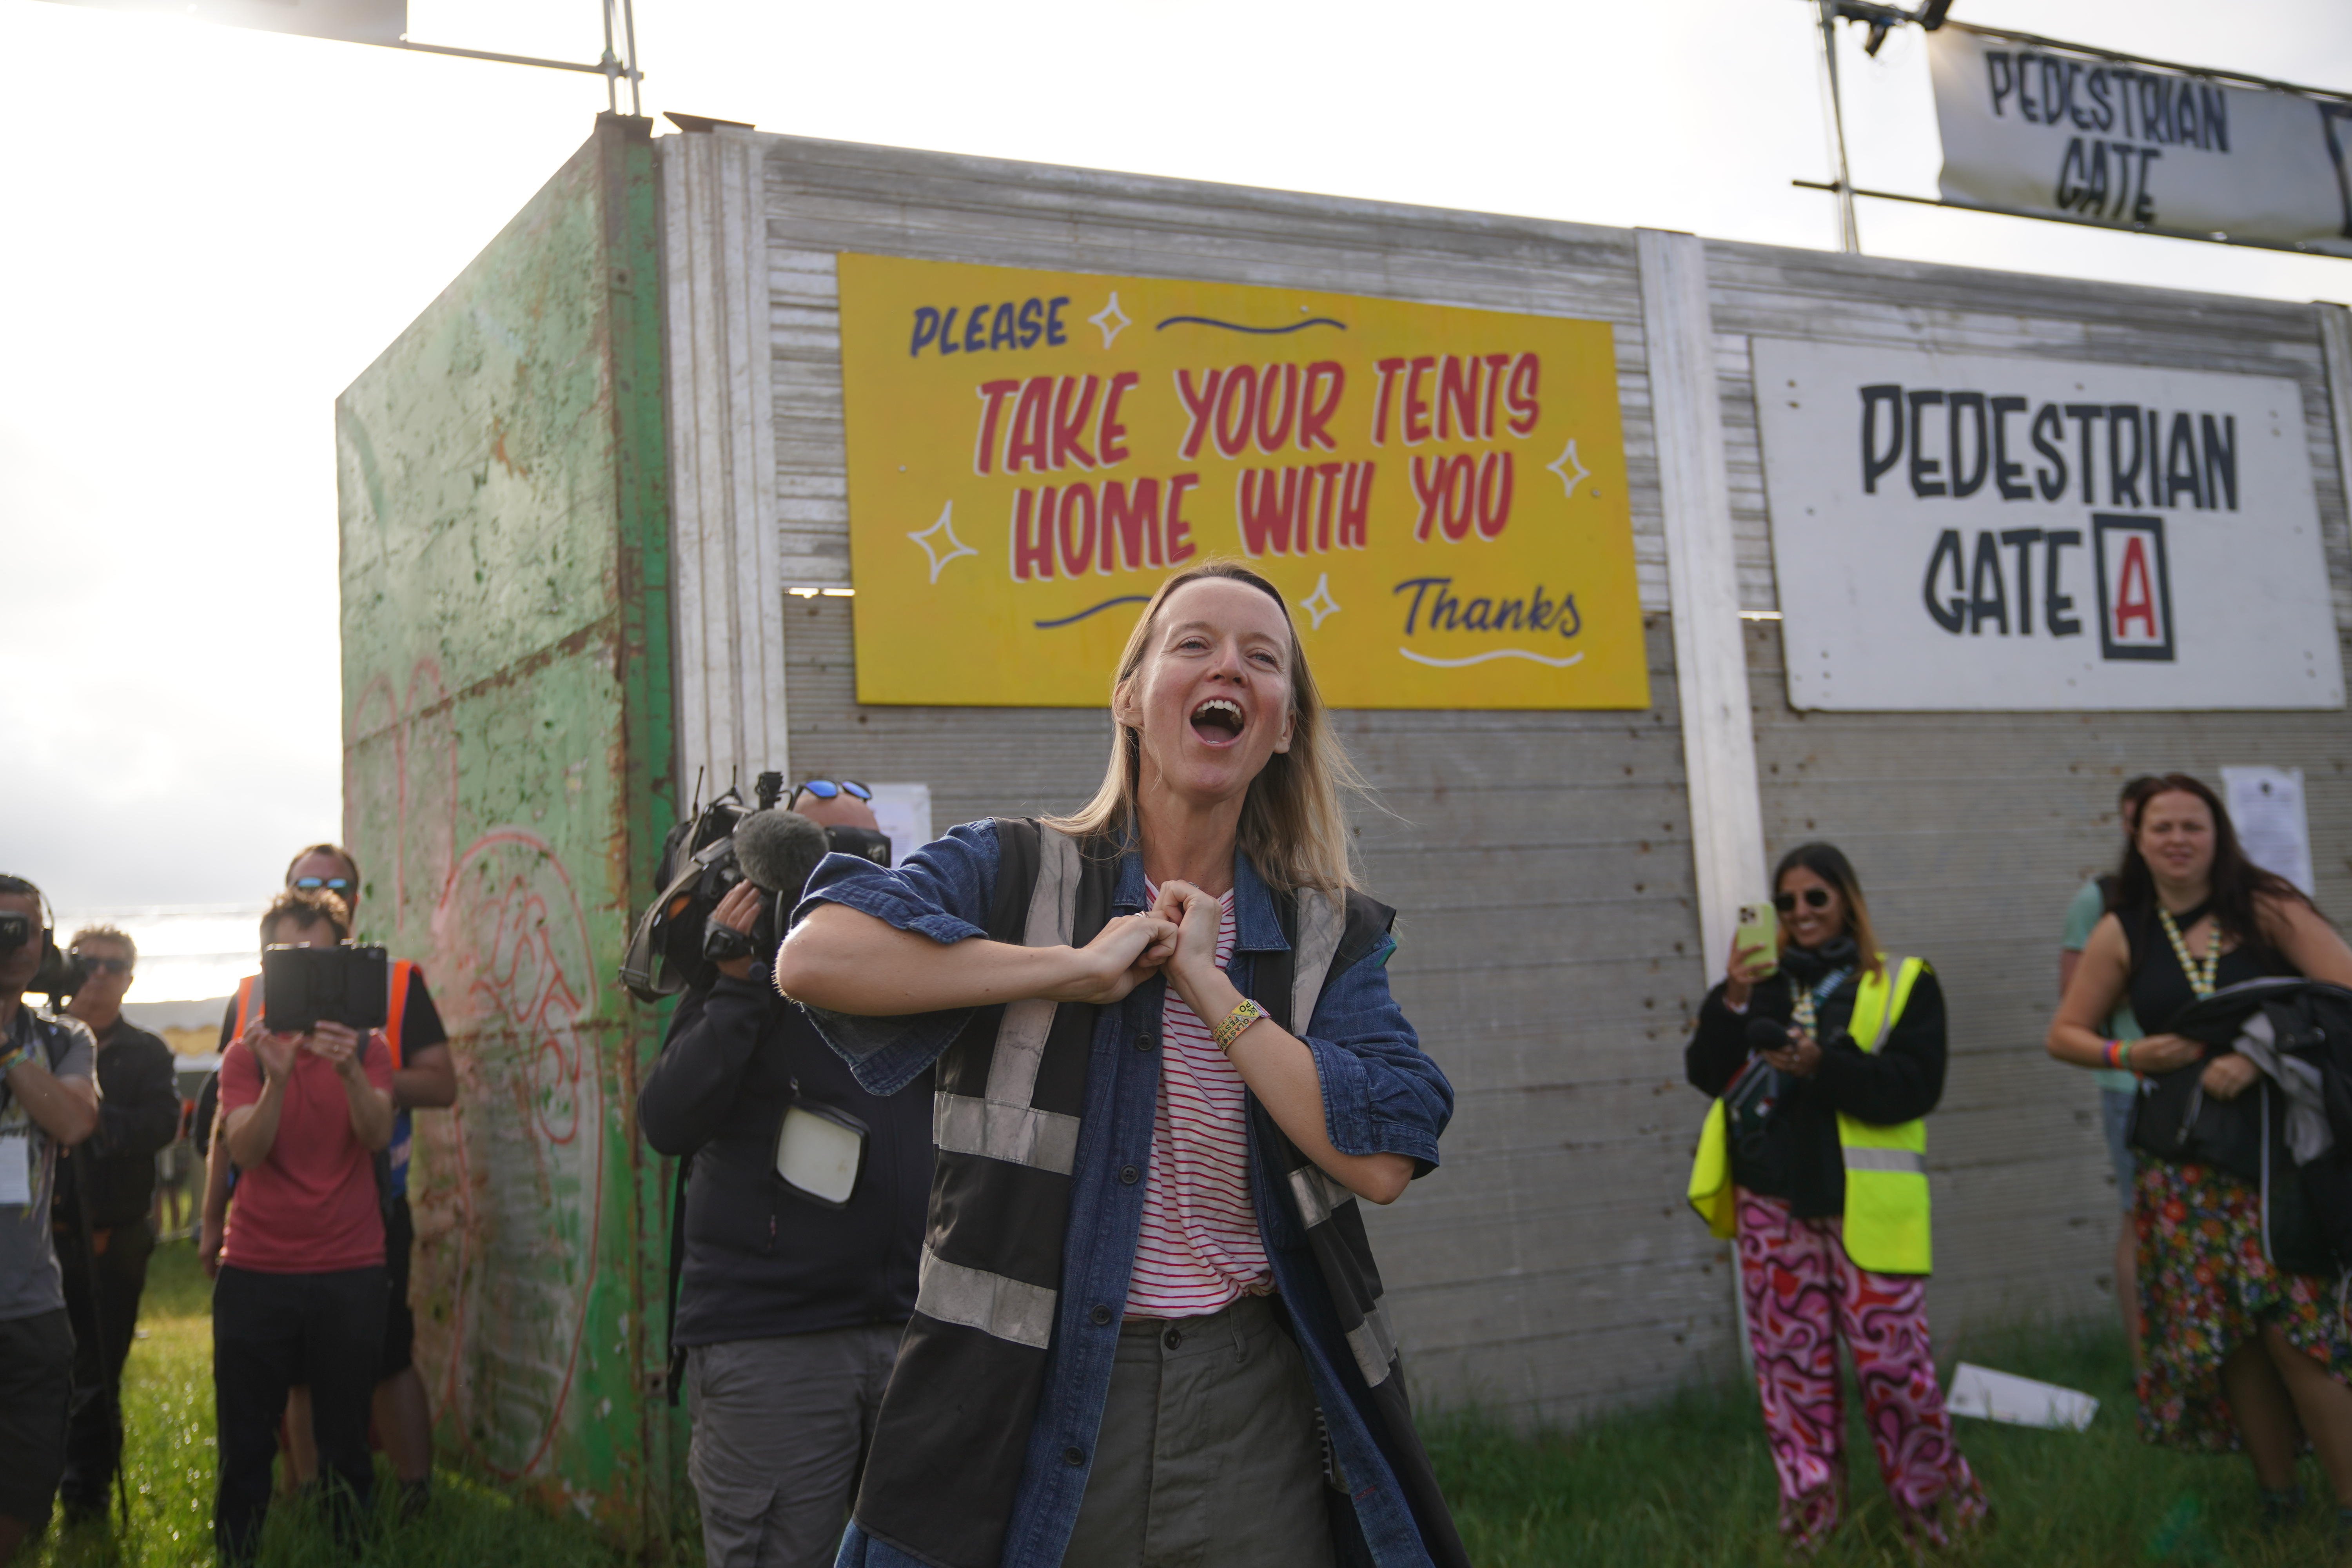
(2163, 1053)
(1741, 975)
(1128, 951)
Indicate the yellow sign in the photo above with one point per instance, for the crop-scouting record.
(1439, 492)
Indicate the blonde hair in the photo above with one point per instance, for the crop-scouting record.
(1293, 825)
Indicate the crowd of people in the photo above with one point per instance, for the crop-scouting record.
(1017, 1208)
(305, 1226)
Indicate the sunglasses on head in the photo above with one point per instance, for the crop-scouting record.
(101, 965)
(313, 884)
(1815, 898)
(829, 789)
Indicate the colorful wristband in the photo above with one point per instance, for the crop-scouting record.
(1239, 1018)
(2122, 1055)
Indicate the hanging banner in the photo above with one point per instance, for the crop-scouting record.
(1439, 492)
(353, 21)
(1964, 531)
(2044, 132)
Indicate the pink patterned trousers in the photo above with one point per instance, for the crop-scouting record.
(1803, 1296)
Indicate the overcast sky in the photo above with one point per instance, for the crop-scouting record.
(211, 232)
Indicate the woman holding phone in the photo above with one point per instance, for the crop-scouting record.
(1824, 1065)
(1168, 1065)
(2236, 1351)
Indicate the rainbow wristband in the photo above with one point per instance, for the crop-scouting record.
(2113, 1054)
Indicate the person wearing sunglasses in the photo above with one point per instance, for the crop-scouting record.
(822, 792)
(1823, 1064)
(105, 1189)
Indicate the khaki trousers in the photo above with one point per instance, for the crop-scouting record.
(1208, 1455)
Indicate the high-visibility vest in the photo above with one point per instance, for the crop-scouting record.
(249, 1003)
(1885, 1225)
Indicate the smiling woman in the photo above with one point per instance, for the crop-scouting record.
(1824, 1066)
(1167, 1064)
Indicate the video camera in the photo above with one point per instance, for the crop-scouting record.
(676, 944)
(302, 987)
(60, 975)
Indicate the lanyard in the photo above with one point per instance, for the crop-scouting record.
(1809, 1001)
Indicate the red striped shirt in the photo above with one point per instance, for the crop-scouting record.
(1199, 1249)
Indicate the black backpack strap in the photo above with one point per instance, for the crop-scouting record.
(676, 1378)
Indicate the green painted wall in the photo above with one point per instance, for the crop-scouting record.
(507, 752)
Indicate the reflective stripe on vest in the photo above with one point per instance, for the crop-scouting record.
(1885, 1223)
(1885, 1229)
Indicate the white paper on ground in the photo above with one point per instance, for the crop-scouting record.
(2019, 1401)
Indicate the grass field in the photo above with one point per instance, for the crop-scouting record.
(1688, 1483)
(168, 1415)
(1691, 1483)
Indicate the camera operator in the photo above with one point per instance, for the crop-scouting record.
(300, 1290)
(791, 1309)
(105, 1189)
(48, 1101)
(423, 1077)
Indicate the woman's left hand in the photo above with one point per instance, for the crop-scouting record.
(1800, 1057)
(1196, 915)
(2226, 1077)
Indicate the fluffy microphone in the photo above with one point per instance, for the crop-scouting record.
(1763, 1034)
(777, 850)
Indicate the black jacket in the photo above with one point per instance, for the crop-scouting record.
(760, 1261)
(1903, 1080)
(137, 1117)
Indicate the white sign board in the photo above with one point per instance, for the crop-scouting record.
(2051, 133)
(1971, 532)
(2266, 809)
(355, 21)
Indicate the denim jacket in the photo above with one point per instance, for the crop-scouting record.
(1380, 1094)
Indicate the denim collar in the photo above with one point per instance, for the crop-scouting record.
(1256, 927)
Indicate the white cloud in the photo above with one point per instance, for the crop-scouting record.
(215, 232)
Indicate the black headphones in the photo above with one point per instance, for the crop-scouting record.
(52, 975)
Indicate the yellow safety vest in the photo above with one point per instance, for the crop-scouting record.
(1885, 1227)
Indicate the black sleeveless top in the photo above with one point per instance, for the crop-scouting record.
(2159, 986)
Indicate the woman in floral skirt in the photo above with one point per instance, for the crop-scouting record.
(2238, 1350)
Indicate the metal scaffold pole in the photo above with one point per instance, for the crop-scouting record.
(1848, 234)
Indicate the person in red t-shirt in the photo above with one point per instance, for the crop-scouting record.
(300, 1291)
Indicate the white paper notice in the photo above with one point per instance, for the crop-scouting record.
(2266, 809)
(16, 1167)
(904, 812)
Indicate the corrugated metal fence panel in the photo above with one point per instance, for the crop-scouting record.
(1971, 831)
(1541, 861)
